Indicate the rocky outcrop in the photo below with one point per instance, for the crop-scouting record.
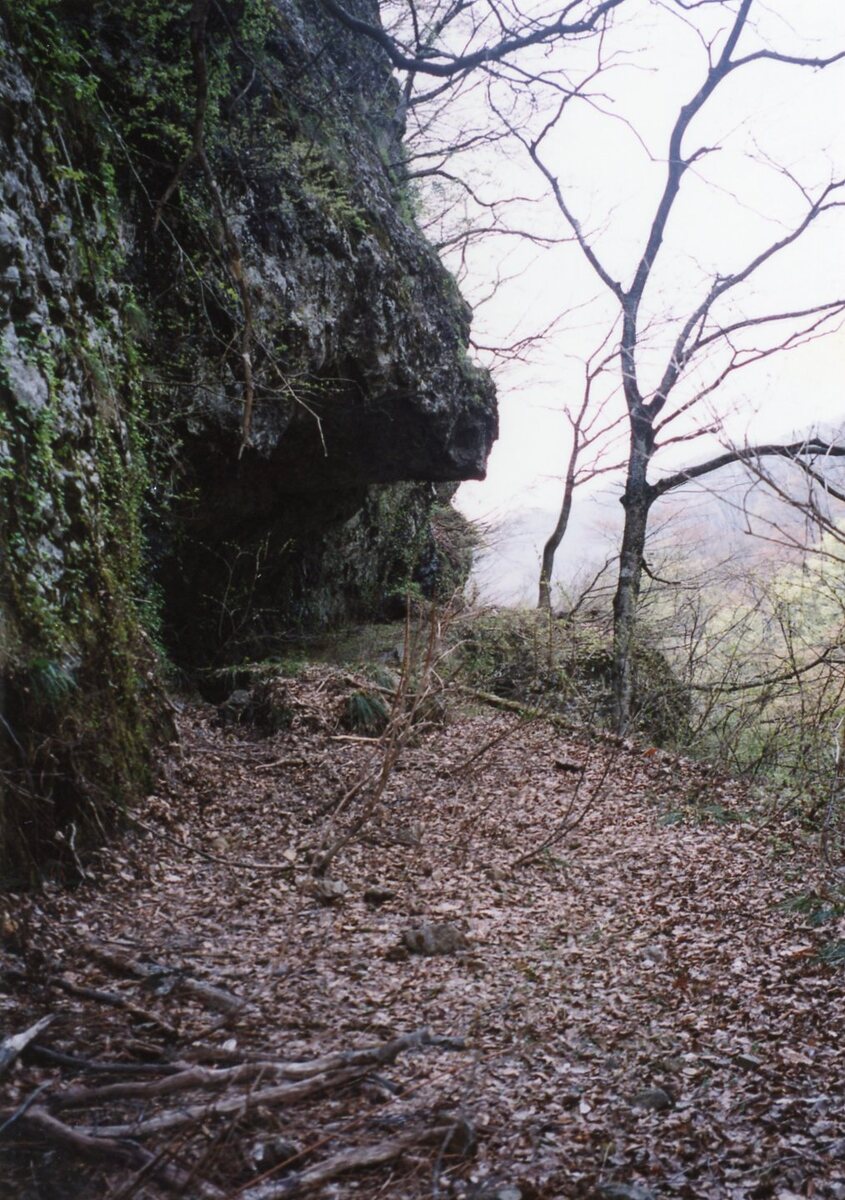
(134, 274)
(360, 345)
(358, 351)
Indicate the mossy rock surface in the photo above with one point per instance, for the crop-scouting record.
(134, 525)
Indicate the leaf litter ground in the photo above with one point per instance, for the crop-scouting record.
(640, 1013)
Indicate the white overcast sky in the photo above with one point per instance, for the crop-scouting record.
(766, 117)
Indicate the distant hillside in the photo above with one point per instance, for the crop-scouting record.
(735, 516)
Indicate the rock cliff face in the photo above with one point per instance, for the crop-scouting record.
(232, 370)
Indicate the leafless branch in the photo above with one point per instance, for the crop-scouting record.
(441, 63)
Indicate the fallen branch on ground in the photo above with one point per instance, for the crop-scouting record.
(213, 997)
(97, 1067)
(86, 1144)
(527, 711)
(119, 1143)
(305, 1079)
(12, 1046)
(358, 1158)
(113, 999)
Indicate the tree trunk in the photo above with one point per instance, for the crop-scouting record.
(637, 502)
(544, 600)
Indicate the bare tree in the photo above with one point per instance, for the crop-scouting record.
(446, 52)
(591, 424)
(767, 670)
(711, 340)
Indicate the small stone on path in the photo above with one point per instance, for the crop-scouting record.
(330, 891)
(654, 1099)
(269, 1153)
(748, 1062)
(435, 939)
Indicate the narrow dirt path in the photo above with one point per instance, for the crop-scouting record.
(641, 1013)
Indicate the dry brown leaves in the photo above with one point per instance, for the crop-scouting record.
(642, 1018)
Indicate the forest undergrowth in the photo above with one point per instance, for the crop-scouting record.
(649, 1006)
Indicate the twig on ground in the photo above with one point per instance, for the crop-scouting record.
(280, 762)
(23, 1108)
(357, 1158)
(278, 868)
(213, 997)
(116, 1001)
(571, 818)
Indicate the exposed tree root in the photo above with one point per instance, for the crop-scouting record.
(358, 1158)
(205, 1078)
(107, 1149)
(118, 1143)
